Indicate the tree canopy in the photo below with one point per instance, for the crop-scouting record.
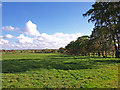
(105, 36)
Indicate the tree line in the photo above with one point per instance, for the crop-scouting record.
(32, 51)
(105, 37)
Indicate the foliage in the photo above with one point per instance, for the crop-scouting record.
(106, 16)
(30, 51)
(78, 47)
(61, 50)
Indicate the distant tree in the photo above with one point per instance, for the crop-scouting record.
(54, 51)
(61, 50)
(35, 51)
(3, 50)
(78, 47)
(26, 51)
(71, 48)
(13, 51)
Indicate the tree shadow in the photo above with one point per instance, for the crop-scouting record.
(18, 65)
(68, 57)
(99, 57)
(107, 61)
(50, 62)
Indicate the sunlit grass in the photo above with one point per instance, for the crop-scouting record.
(33, 70)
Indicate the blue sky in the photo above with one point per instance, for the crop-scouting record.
(49, 17)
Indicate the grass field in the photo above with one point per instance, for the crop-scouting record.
(34, 70)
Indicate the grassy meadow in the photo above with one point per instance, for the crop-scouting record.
(35, 70)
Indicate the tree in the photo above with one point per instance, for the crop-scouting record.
(71, 49)
(101, 40)
(78, 47)
(13, 51)
(107, 14)
(61, 50)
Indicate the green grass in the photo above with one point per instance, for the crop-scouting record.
(34, 70)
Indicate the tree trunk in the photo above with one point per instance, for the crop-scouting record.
(99, 54)
(113, 54)
(103, 54)
(118, 47)
(88, 54)
(117, 53)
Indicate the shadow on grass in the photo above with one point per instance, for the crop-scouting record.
(107, 61)
(55, 62)
(68, 57)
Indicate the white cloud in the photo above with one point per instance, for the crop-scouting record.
(9, 28)
(8, 36)
(3, 41)
(23, 39)
(42, 41)
(56, 40)
(31, 29)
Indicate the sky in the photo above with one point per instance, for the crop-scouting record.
(41, 25)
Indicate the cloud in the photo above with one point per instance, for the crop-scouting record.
(31, 29)
(56, 40)
(3, 41)
(39, 41)
(8, 36)
(9, 28)
(42, 41)
(23, 39)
